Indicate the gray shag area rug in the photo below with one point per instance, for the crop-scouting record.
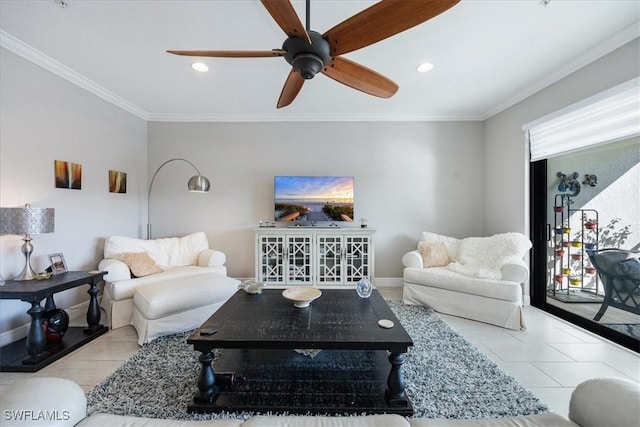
(446, 376)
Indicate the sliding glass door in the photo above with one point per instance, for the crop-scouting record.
(583, 201)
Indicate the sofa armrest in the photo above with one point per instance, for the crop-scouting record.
(515, 270)
(40, 401)
(412, 259)
(211, 258)
(116, 270)
(611, 402)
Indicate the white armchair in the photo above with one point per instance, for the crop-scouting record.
(163, 286)
(478, 278)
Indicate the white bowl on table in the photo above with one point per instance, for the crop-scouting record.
(301, 295)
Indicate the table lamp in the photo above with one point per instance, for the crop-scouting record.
(27, 221)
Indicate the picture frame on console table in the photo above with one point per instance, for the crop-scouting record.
(58, 264)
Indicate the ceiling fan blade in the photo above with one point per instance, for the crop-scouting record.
(359, 77)
(382, 20)
(291, 89)
(284, 14)
(230, 53)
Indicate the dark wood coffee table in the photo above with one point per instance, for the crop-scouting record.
(359, 369)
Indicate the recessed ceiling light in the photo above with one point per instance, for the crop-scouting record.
(425, 67)
(200, 66)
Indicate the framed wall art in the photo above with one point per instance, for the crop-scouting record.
(117, 182)
(68, 175)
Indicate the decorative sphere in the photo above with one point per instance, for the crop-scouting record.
(55, 323)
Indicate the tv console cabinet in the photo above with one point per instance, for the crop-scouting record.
(319, 256)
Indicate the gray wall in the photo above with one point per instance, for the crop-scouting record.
(45, 118)
(506, 156)
(506, 166)
(409, 177)
(458, 179)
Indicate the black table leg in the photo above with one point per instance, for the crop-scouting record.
(49, 304)
(208, 390)
(93, 312)
(396, 395)
(36, 339)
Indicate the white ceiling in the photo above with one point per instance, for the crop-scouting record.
(488, 55)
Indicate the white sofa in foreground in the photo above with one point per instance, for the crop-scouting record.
(163, 286)
(58, 402)
(478, 278)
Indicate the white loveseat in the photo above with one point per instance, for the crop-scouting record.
(163, 286)
(478, 278)
(58, 402)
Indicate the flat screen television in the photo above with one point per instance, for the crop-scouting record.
(313, 198)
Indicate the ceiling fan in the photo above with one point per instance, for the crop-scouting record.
(310, 52)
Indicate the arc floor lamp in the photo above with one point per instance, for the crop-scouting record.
(196, 184)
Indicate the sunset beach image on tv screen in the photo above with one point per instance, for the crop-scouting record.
(313, 198)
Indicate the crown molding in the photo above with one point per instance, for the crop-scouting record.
(26, 51)
(278, 117)
(31, 54)
(614, 42)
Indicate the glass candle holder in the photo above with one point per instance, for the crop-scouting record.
(364, 288)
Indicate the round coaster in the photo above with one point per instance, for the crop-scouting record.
(385, 323)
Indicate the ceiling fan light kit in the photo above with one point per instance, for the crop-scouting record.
(306, 58)
(310, 52)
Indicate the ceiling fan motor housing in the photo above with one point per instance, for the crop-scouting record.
(307, 59)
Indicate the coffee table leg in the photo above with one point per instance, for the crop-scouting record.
(208, 391)
(396, 395)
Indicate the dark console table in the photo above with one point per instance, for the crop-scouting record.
(33, 353)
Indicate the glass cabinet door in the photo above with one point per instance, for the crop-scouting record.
(299, 259)
(329, 260)
(357, 263)
(271, 253)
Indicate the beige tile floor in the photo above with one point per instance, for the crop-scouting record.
(550, 358)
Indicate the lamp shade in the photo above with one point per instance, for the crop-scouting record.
(26, 220)
(198, 184)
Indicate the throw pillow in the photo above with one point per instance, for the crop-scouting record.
(434, 255)
(139, 263)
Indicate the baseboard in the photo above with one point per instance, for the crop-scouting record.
(379, 282)
(388, 282)
(77, 317)
(14, 335)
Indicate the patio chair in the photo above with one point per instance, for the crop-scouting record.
(619, 271)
